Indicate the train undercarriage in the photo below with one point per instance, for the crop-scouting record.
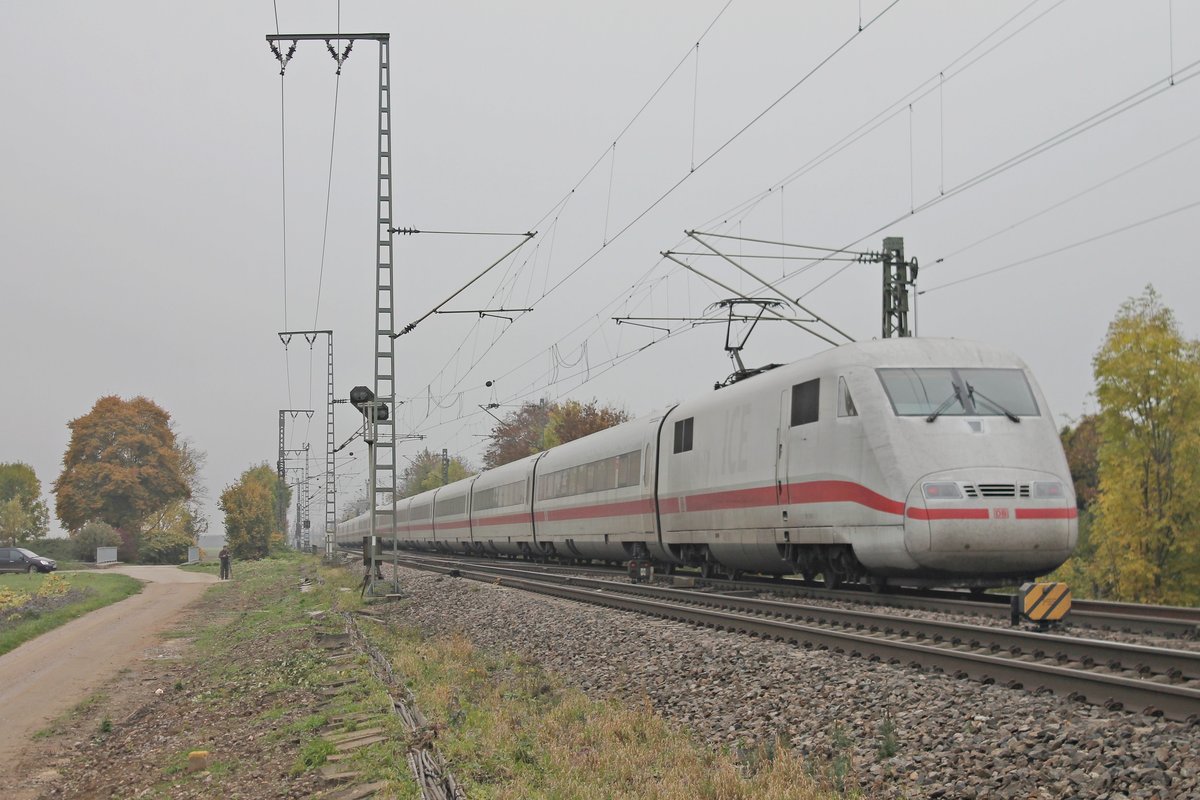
(832, 565)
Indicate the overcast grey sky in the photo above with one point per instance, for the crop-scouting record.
(142, 229)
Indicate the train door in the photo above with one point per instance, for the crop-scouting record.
(781, 449)
(800, 442)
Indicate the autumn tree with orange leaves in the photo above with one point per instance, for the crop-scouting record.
(122, 465)
(535, 427)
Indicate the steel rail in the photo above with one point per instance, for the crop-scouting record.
(1077, 679)
(1167, 621)
(1140, 660)
(1096, 615)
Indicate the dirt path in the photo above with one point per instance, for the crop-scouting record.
(45, 677)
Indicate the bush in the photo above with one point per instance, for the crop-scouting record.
(12, 598)
(58, 549)
(54, 586)
(91, 536)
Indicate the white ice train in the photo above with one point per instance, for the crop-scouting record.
(903, 461)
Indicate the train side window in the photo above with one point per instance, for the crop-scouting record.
(683, 435)
(805, 398)
(845, 402)
(629, 468)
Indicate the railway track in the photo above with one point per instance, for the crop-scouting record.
(1151, 680)
(1164, 621)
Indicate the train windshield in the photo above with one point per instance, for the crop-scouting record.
(958, 392)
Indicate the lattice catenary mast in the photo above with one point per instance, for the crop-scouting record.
(384, 451)
(330, 441)
(283, 412)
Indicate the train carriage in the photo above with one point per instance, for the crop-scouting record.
(595, 497)
(502, 509)
(418, 531)
(451, 517)
(917, 461)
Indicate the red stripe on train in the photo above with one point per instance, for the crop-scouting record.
(842, 492)
(798, 494)
(1047, 513)
(627, 508)
(948, 513)
(506, 519)
(757, 497)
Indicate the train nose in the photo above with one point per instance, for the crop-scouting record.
(990, 522)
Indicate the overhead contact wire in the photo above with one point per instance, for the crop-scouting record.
(1063, 202)
(558, 207)
(1072, 246)
(914, 95)
(337, 84)
(283, 173)
(725, 144)
(1111, 112)
(600, 159)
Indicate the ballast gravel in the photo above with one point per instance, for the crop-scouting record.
(952, 738)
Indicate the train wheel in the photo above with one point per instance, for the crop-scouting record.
(830, 578)
(707, 569)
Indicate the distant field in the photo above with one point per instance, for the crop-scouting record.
(30, 605)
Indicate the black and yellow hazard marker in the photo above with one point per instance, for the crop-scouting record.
(1044, 604)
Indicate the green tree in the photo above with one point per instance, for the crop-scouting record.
(573, 420)
(14, 521)
(539, 426)
(353, 508)
(1147, 522)
(252, 512)
(93, 535)
(1081, 444)
(521, 433)
(424, 472)
(19, 485)
(167, 534)
(121, 465)
(191, 462)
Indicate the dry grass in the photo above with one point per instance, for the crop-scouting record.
(511, 732)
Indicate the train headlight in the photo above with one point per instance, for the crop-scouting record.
(1048, 490)
(942, 490)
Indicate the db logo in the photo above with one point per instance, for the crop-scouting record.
(999, 513)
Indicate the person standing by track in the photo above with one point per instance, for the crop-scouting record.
(225, 563)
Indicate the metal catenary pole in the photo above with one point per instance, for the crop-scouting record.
(383, 454)
(301, 483)
(295, 412)
(330, 439)
(898, 276)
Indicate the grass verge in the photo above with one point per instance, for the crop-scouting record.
(509, 730)
(273, 708)
(88, 592)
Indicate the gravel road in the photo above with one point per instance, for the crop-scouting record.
(48, 675)
(954, 738)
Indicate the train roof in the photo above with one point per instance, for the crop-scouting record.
(915, 352)
(899, 352)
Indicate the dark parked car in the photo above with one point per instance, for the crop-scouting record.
(18, 559)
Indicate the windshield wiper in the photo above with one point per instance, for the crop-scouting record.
(955, 395)
(996, 406)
